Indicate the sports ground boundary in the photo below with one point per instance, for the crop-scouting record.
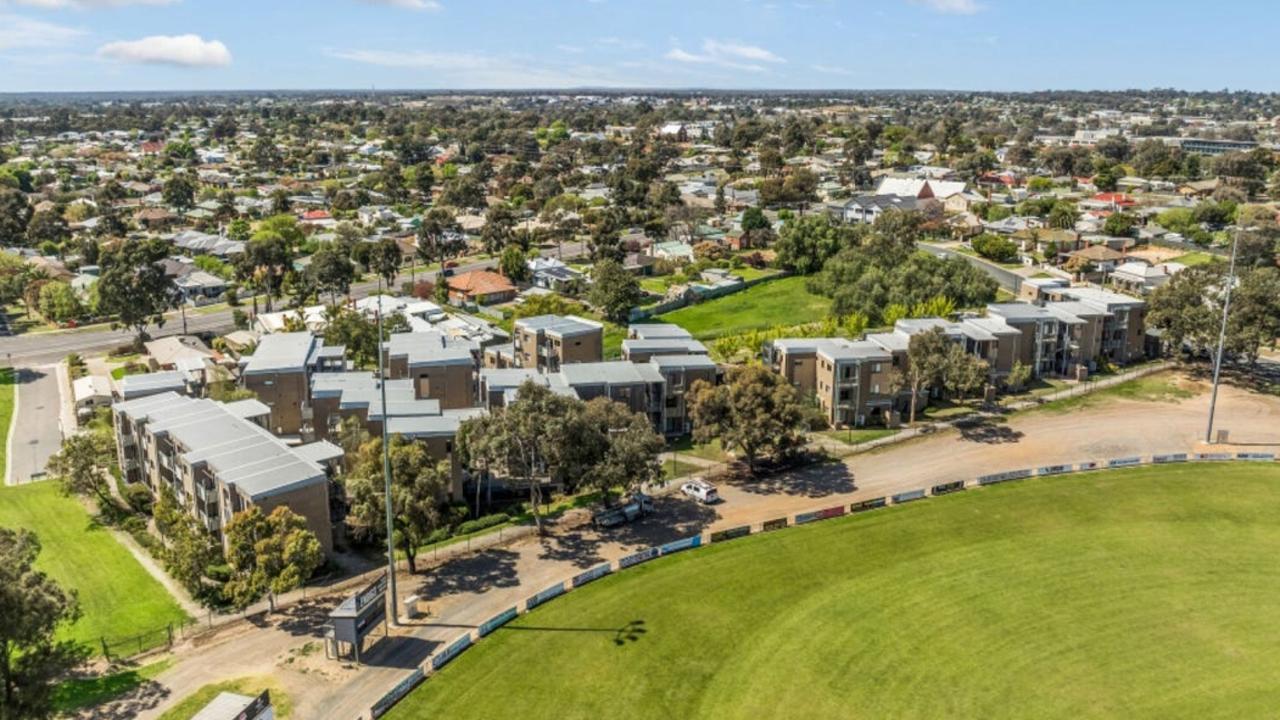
(452, 650)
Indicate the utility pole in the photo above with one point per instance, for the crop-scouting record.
(1222, 336)
(392, 597)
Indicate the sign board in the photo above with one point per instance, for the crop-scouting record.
(535, 600)
(1091, 465)
(376, 591)
(1255, 456)
(1054, 470)
(1212, 456)
(731, 533)
(359, 614)
(775, 524)
(637, 558)
(1171, 458)
(594, 573)
(402, 688)
(866, 505)
(443, 657)
(908, 496)
(947, 488)
(497, 621)
(1003, 477)
(1124, 462)
(678, 545)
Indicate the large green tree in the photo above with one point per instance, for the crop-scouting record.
(614, 291)
(269, 555)
(33, 609)
(133, 287)
(755, 412)
(419, 494)
(15, 215)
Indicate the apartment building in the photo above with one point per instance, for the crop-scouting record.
(642, 350)
(335, 397)
(1114, 324)
(850, 379)
(440, 367)
(657, 388)
(219, 459)
(548, 342)
(279, 373)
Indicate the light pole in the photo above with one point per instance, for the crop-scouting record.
(1222, 334)
(392, 597)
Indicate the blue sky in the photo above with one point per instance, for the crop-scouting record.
(48, 45)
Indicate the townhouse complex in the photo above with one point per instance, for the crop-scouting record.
(1066, 332)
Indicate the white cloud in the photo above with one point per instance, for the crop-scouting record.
(951, 7)
(186, 50)
(86, 4)
(573, 49)
(20, 32)
(431, 5)
(732, 55)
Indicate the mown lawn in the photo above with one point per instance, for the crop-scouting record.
(117, 597)
(78, 693)
(1192, 259)
(1143, 593)
(777, 302)
(857, 436)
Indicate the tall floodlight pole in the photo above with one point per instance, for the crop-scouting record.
(1222, 336)
(386, 470)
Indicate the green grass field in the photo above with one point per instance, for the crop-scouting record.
(251, 686)
(117, 596)
(1157, 387)
(776, 302)
(1192, 259)
(1143, 593)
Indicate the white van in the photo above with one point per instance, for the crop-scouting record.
(701, 490)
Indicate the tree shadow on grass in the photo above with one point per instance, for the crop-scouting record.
(628, 633)
(147, 695)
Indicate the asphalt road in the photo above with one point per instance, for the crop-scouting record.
(37, 434)
(33, 349)
(1007, 279)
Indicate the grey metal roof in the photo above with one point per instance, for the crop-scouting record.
(664, 345)
(281, 352)
(431, 348)
(239, 452)
(1019, 311)
(686, 362)
(839, 349)
(618, 372)
(559, 326)
(657, 331)
(443, 425)
(131, 386)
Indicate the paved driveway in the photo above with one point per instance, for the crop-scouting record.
(37, 432)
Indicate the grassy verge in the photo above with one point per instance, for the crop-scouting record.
(672, 469)
(859, 435)
(251, 686)
(7, 389)
(706, 451)
(118, 597)
(79, 693)
(1085, 577)
(1159, 387)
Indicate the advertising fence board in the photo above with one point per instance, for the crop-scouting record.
(994, 478)
(947, 488)
(866, 505)
(594, 573)
(1255, 456)
(676, 546)
(497, 621)
(824, 514)
(443, 657)
(1212, 456)
(908, 496)
(639, 557)
(1124, 462)
(775, 524)
(731, 533)
(551, 592)
(1090, 465)
(401, 689)
(1170, 458)
(1054, 470)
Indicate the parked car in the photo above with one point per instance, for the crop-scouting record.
(701, 490)
(636, 506)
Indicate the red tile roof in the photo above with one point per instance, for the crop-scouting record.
(480, 282)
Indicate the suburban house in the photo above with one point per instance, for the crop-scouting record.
(482, 287)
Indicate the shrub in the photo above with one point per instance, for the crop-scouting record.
(994, 247)
(482, 523)
(138, 497)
